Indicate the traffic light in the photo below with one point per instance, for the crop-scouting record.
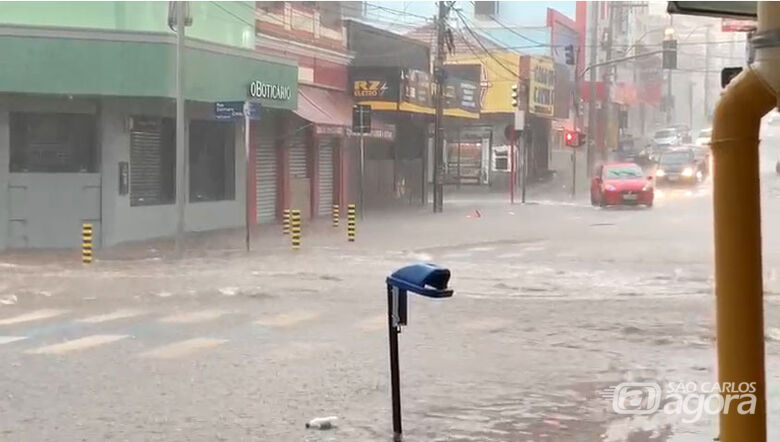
(514, 95)
(569, 51)
(670, 54)
(570, 138)
(573, 138)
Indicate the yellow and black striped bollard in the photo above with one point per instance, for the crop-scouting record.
(86, 243)
(336, 215)
(351, 223)
(295, 229)
(286, 222)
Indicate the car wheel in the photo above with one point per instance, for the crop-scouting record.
(650, 205)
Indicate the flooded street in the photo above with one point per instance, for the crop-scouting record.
(553, 303)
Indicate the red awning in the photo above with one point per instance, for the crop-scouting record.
(324, 107)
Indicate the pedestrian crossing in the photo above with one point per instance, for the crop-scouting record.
(152, 335)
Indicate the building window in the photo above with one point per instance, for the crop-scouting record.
(52, 143)
(152, 161)
(273, 7)
(485, 9)
(330, 14)
(212, 161)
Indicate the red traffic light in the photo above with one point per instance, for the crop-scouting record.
(572, 138)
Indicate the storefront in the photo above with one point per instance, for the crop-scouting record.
(402, 98)
(317, 179)
(91, 137)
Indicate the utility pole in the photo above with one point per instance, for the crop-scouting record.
(594, 45)
(438, 126)
(182, 159)
(669, 98)
(577, 123)
(707, 78)
(606, 77)
(690, 104)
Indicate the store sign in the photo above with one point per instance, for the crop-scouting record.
(735, 25)
(462, 90)
(541, 86)
(376, 85)
(329, 130)
(410, 90)
(270, 91)
(370, 89)
(384, 132)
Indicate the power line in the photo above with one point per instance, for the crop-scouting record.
(237, 17)
(397, 12)
(479, 42)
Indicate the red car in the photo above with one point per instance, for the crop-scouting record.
(621, 183)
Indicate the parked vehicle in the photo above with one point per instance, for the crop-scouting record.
(621, 184)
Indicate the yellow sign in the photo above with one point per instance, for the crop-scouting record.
(541, 85)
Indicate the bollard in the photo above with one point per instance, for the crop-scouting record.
(286, 222)
(424, 279)
(86, 243)
(295, 229)
(351, 223)
(336, 215)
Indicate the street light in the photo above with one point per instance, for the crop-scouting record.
(668, 33)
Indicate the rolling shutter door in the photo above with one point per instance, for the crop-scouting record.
(298, 165)
(325, 173)
(145, 162)
(265, 171)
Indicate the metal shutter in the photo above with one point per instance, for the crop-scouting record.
(325, 172)
(298, 164)
(145, 167)
(265, 171)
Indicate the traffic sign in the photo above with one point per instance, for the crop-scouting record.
(233, 110)
(361, 119)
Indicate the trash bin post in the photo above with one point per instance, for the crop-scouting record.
(393, 328)
(424, 279)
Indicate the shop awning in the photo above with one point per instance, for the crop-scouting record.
(324, 107)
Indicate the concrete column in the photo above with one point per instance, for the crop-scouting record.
(5, 155)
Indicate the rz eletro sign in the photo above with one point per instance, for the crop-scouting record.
(258, 89)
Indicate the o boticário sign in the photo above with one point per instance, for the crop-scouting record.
(270, 91)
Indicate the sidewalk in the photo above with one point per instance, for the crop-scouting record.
(469, 212)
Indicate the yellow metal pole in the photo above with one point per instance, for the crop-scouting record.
(86, 243)
(737, 228)
(336, 215)
(351, 212)
(295, 221)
